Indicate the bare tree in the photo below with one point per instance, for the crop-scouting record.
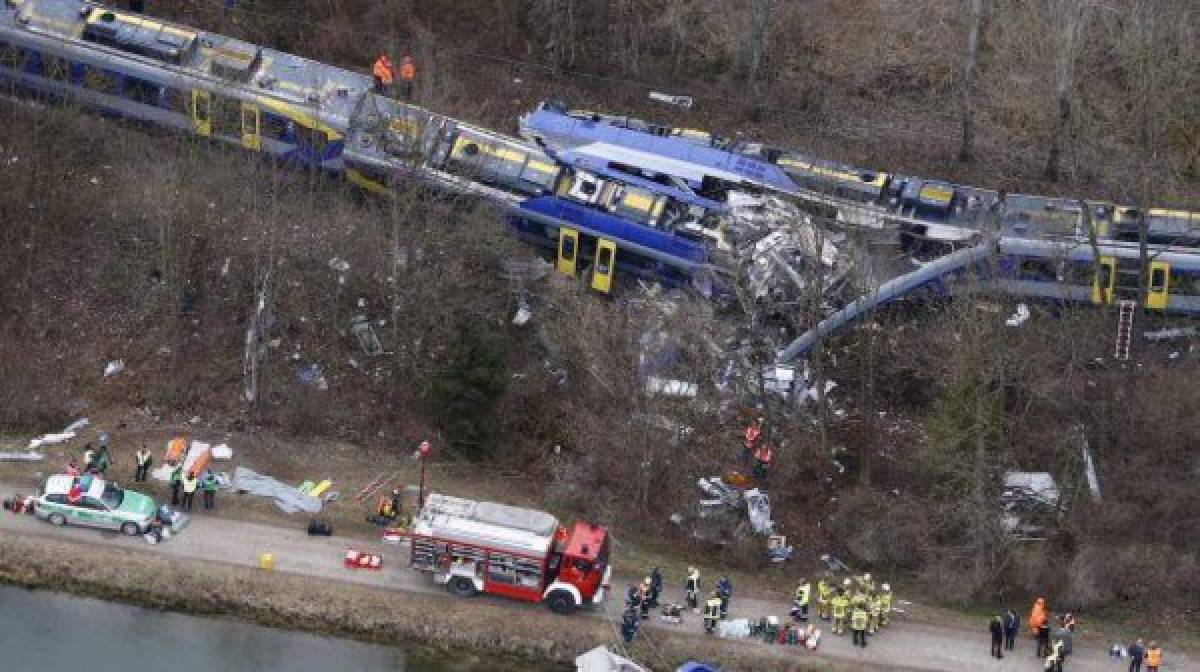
(970, 65)
(757, 33)
(1070, 14)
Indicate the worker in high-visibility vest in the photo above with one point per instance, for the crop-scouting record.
(802, 599)
(691, 589)
(839, 604)
(1153, 657)
(873, 611)
(824, 594)
(384, 74)
(408, 73)
(858, 622)
(712, 612)
(885, 604)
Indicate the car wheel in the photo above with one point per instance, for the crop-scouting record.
(131, 529)
(58, 519)
(560, 602)
(462, 587)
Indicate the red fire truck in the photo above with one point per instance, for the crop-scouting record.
(484, 547)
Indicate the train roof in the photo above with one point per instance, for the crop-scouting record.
(334, 92)
(676, 156)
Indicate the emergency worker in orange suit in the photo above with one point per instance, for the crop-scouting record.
(384, 74)
(408, 73)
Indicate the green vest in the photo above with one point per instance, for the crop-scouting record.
(858, 619)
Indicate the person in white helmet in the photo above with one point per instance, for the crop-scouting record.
(885, 604)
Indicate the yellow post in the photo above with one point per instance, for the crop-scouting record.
(266, 561)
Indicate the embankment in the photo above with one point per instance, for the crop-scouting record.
(528, 637)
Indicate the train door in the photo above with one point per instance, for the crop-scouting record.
(201, 112)
(251, 127)
(1158, 286)
(568, 250)
(605, 267)
(1104, 280)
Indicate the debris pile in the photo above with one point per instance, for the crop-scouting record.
(1030, 501)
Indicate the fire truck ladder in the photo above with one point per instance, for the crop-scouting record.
(1125, 314)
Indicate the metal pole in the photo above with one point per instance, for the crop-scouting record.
(421, 493)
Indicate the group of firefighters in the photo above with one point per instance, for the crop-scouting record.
(857, 604)
(385, 75)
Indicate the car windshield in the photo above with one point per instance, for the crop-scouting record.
(113, 496)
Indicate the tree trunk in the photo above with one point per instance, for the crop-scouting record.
(756, 37)
(970, 65)
(1064, 83)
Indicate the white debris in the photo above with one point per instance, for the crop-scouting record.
(738, 628)
(1018, 318)
(66, 434)
(339, 265)
(222, 451)
(114, 367)
(670, 388)
(681, 101)
(30, 456)
(600, 659)
(524, 313)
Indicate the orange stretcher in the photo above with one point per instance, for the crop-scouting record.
(176, 449)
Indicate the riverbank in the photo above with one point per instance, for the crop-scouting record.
(517, 637)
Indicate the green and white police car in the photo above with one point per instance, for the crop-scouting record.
(102, 505)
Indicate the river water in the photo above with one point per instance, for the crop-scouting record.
(49, 632)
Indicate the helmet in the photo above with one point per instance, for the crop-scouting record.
(846, 582)
(803, 581)
(867, 576)
(886, 587)
(646, 580)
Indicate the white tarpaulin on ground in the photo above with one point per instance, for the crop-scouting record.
(287, 498)
(66, 434)
(600, 659)
(30, 456)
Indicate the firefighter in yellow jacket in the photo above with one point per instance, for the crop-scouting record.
(858, 622)
(872, 614)
(824, 594)
(885, 604)
(839, 604)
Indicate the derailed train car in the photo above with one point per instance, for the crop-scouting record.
(300, 111)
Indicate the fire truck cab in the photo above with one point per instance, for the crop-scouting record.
(483, 547)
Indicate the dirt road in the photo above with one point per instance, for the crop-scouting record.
(904, 644)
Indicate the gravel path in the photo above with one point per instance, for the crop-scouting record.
(904, 645)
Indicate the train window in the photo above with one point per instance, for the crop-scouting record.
(603, 262)
(315, 139)
(99, 79)
(471, 149)
(1039, 269)
(9, 57)
(272, 126)
(227, 116)
(31, 62)
(1185, 283)
(57, 68)
(141, 91)
(1158, 279)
